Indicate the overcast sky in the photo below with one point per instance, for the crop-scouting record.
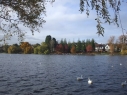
(64, 20)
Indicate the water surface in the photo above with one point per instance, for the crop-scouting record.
(56, 74)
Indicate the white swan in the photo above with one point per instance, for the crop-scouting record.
(120, 64)
(80, 78)
(124, 83)
(89, 81)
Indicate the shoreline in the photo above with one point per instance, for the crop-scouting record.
(91, 54)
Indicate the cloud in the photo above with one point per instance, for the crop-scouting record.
(29, 37)
(64, 20)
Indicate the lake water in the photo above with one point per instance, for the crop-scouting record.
(31, 74)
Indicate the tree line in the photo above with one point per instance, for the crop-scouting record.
(51, 45)
(120, 44)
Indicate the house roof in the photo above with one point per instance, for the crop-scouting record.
(99, 45)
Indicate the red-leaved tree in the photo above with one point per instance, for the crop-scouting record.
(89, 48)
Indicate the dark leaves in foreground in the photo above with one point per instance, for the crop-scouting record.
(102, 8)
(28, 13)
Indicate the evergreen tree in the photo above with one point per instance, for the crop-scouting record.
(83, 49)
(93, 44)
(78, 46)
(47, 41)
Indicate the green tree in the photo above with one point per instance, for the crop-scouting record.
(83, 48)
(47, 41)
(18, 49)
(35, 45)
(53, 44)
(5, 48)
(65, 41)
(93, 44)
(44, 47)
(39, 50)
(15, 45)
(88, 42)
(69, 46)
(36, 50)
(62, 41)
(46, 51)
(78, 46)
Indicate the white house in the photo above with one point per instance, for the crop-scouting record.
(107, 48)
(99, 47)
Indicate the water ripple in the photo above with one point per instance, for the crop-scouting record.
(56, 75)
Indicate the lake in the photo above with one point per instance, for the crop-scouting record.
(29, 74)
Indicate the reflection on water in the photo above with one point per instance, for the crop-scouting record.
(57, 74)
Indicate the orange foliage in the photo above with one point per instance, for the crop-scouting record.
(89, 48)
(26, 47)
(66, 48)
(59, 48)
(73, 49)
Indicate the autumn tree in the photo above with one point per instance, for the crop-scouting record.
(111, 44)
(73, 49)
(12, 49)
(66, 48)
(26, 47)
(63, 42)
(15, 48)
(89, 48)
(117, 46)
(59, 48)
(122, 40)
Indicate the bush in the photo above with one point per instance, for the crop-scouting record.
(124, 52)
(46, 51)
